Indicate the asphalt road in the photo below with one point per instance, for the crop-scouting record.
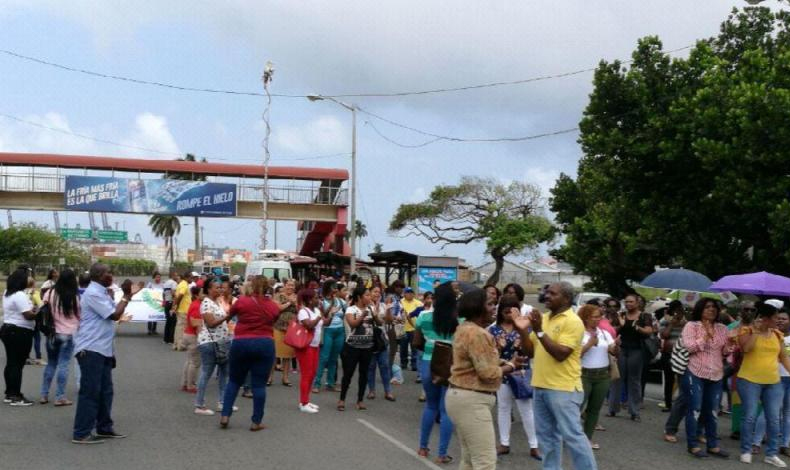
(164, 433)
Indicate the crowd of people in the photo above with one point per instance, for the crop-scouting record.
(472, 352)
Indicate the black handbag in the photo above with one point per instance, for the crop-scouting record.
(45, 322)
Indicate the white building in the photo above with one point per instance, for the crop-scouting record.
(534, 272)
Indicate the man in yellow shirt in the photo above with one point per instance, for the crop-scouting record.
(181, 303)
(556, 344)
(408, 306)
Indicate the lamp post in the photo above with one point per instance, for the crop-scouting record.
(352, 234)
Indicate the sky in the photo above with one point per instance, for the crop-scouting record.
(347, 47)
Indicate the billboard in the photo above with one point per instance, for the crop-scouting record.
(435, 268)
(160, 196)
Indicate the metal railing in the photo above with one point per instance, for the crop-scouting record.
(324, 195)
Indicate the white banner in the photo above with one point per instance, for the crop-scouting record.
(145, 306)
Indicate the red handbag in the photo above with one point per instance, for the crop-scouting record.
(297, 336)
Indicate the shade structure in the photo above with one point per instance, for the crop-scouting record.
(683, 279)
(761, 283)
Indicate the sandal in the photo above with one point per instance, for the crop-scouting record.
(223, 422)
(535, 454)
(595, 446)
(371, 396)
(389, 397)
(444, 459)
(287, 384)
(43, 401)
(698, 453)
(423, 452)
(361, 407)
(257, 427)
(315, 390)
(671, 438)
(502, 450)
(598, 427)
(719, 452)
(64, 402)
(341, 406)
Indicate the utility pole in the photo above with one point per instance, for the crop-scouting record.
(268, 73)
(202, 243)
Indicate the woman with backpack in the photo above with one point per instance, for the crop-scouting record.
(64, 304)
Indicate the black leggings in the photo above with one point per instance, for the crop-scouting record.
(18, 342)
(351, 357)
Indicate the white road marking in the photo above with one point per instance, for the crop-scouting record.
(400, 445)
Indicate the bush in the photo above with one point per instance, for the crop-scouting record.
(130, 266)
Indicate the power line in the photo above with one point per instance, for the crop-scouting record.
(394, 142)
(162, 152)
(139, 81)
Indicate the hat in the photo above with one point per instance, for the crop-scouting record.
(656, 305)
(776, 303)
(194, 274)
(408, 290)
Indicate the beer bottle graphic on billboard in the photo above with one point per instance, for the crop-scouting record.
(138, 201)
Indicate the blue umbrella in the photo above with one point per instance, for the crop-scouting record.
(683, 279)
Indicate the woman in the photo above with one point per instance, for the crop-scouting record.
(17, 335)
(65, 307)
(633, 329)
(476, 376)
(333, 309)
(194, 322)
(518, 291)
(671, 328)
(156, 284)
(310, 317)
(213, 343)
(706, 341)
(508, 343)
(252, 351)
(759, 381)
(358, 349)
(381, 359)
(35, 298)
(493, 293)
(597, 345)
(436, 324)
(286, 299)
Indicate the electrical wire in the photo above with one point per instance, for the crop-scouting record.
(394, 142)
(139, 81)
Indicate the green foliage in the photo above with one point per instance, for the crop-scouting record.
(130, 266)
(507, 218)
(238, 268)
(36, 246)
(685, 159)
(378, 248)
(167, 227)
(181, 267)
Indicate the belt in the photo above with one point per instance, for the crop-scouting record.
(472, 390)
(596, 370)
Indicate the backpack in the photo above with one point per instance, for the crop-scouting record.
(679, 359)
(45, 322)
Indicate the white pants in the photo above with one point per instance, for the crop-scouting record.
(505, 401)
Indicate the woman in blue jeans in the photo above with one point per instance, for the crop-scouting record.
(434, 325)
(334, 337)
(381, 359)
(65, 307)
(213, 343)
(759, 382)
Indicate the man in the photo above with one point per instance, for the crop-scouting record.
(93, 347)
(180, 308)
(556, 344)
(168, 295)
(409, 305)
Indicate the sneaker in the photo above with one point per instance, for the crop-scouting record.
(775, 461)
(7, 400)
(89, 439)
(746, 458)
(204, 411)
(20, 401)
(110, 435)
(219, 407)
(307, 409)
(313, 405)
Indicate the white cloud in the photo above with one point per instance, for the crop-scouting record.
(151, 131)
(324, 135)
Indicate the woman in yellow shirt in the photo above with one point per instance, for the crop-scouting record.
(758, 381)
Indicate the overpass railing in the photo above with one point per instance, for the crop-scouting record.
(288, 194)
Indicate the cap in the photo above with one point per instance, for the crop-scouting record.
(776, 303)
(194, 274)
(408, 290)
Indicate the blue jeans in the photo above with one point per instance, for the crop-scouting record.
(703, 397)
(404, 346)
(382, 361)
(59, 352)
(94, 403)
(330, 351)
(254, 356)
(786, 412)
(208, 361)
(557, 422)
(434, 405)
(751, 395)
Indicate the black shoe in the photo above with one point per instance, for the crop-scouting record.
(89, 439)
(110, 435)
(636, 418)
(20, 401)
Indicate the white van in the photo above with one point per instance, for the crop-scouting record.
(274, 264)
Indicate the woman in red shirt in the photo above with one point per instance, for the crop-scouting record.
(252, 350)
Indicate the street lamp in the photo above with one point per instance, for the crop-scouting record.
(352, 234)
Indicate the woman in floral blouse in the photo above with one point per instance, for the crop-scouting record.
(476, 376)
(508, 343)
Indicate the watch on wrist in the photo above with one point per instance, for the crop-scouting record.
(540, 334)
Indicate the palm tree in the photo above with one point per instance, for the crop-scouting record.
(361, 231)
(167, 227)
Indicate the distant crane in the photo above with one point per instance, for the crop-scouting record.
(105, 223)
(57, 221)
(10, 219)
(94, 228)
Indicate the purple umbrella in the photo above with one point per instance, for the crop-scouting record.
(761, 283)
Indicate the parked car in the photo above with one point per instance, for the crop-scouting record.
(584, 297)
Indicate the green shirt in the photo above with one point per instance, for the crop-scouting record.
(425, 325)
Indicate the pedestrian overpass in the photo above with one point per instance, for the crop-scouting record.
(314, 197)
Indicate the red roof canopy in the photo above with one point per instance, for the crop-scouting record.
(166, 166)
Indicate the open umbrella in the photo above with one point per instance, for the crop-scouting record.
(683, 279)
(761, 283)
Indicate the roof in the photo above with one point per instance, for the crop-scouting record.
(167, 166)
(394, 257)
(507, 262)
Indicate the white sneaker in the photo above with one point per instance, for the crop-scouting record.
(775, 461)
(204, 411)
(307, 409)
(746, 458)
(313, 405)
(219, 407)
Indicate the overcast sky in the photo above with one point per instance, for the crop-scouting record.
(329, 48)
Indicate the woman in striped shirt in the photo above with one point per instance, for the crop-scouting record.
(707, 343)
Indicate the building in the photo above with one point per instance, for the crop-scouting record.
(534, 272)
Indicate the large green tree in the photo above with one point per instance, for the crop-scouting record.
(38, 247)
(507, 218)
(685, 159)
(166, 227)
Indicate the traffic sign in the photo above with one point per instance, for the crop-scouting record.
(112, 235)
(76, 234)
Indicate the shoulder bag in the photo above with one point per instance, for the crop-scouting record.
(520, 382)
(45, 322)
(297, 336)
(650, 344)
(441, 363)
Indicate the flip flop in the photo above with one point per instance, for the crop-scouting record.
(670, 438)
